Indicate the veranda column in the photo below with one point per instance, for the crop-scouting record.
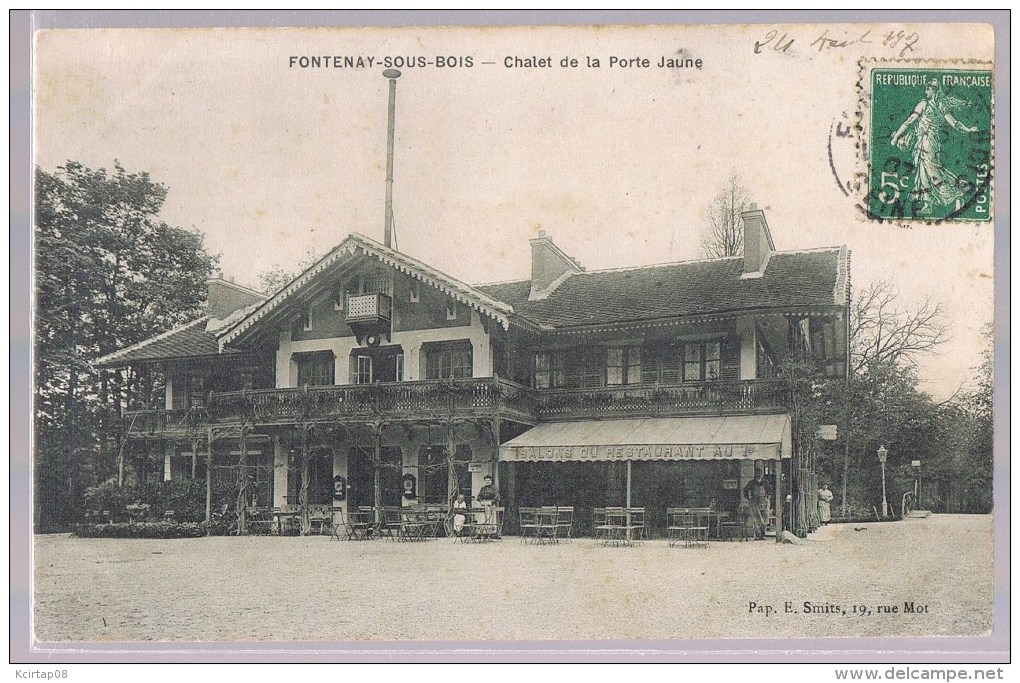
(451, 472)
(306, 525)
(377, 474)
(779, 499)
(208, 476)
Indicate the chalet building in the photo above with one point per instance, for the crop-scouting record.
(373, 379)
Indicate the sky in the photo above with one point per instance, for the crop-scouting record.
(618, 163)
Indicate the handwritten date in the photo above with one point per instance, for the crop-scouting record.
(781, 41)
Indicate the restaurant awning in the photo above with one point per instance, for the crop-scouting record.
(731, 437)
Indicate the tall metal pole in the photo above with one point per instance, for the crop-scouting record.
(393, 75)
(885, 502)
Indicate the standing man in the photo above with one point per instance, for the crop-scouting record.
(757, 494)
(488, 498)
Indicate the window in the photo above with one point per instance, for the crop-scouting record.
(376, 282)
(702, 362)
(448, 361)
(315, 369)
(672, 364)
(400, 367)
(661, 364)
(585, 368)
(363, 370)
(623, 365)
(415, 291)
(306, 321)
(451, 310)
(196, 390)
(549, 370)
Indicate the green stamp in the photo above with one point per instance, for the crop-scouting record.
(930, 155)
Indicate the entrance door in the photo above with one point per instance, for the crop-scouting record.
(384, 364)
(360, 479)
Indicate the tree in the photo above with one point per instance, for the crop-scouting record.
(109, 274)
(725, 226)
(881, 331)
(277, 277)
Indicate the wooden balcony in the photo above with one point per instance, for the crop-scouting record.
(702, 398)
(422, 401)
(163, 423)
(471, 399)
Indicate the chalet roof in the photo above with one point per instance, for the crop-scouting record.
(691, 288)
(187, 341)
(795, 279)
(354, 245)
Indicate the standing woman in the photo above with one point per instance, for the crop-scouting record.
(824, 508)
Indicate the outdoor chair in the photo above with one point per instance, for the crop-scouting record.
(319, 518)
(675, 529)
(337, 524)
(635, 522)
(697, 522)
(529, 523)
(598, 522)
(413, 524)
(738, 526)
(390, 526)
(547, 518)
(614, 527)
(564, 522)
(259, 520)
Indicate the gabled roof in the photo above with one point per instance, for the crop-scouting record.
(353, 246)
(190, 340)
(690, 288)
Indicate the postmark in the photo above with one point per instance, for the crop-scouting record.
(926, 143)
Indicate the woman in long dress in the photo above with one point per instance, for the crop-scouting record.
(933, 182)
(824, 504)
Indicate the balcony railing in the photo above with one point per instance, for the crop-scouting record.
(703, 398)
(156, 422)
(368, 307)
(479, 397)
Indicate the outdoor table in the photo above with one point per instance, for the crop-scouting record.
(475, 527)
(285, 517)
(360, 526)
(718, 517)
(619, 526)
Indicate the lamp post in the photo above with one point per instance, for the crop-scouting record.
(882, 455)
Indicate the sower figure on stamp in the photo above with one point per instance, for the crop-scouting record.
(934, 184)
(757, 493)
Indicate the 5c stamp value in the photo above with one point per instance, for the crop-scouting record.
(928, 141)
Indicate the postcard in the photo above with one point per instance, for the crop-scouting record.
(666, 338)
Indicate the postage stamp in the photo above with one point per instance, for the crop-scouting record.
(929, 141)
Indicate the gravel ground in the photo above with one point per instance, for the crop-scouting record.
(314, 589)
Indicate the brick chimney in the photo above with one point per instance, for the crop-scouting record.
(549, 266)
(225, 297)
(758, 246)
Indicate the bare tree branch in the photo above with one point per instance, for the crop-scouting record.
(882, 332)
(725, 227)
